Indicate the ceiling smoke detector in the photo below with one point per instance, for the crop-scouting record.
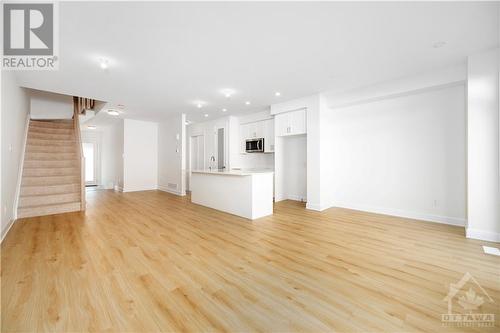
(104, 63)
(439, 44)
(227, 92)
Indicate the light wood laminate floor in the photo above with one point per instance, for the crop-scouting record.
(151, 261)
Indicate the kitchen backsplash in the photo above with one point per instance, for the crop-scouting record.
(257, 161)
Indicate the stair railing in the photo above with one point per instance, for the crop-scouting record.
(76, 125)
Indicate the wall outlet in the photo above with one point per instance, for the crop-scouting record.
(435, 203)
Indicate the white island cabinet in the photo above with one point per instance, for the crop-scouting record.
(244, 193)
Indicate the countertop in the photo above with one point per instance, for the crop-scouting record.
(234, 172)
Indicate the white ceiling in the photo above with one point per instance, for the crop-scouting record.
(165, 56)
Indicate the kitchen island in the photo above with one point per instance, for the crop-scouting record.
(246, 193)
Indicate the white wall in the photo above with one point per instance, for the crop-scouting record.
(140, 158)
(112, 156)
(483, 146)
(400, 87)
(401, 156)
(46, 105)
(119, 155)
(15, 111)
(256, 161)
(171, 155)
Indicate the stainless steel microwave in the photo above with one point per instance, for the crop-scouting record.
(255, 145)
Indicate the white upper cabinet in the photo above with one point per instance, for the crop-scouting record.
(281, 124)
(291, 123)
(256, 130)
(298, 122)
(244, 135)
(268, 136)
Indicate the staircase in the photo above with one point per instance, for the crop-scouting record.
(52, 169)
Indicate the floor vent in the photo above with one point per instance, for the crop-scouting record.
(491, 250)
(172, 186)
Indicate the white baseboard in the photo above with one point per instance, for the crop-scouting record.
(166, 189)
(406, 214)
(138, 189)
(105, 187)
(316, 207)
(4, 233)
(482, 235)
(296, 198)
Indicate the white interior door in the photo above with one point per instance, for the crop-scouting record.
(90, 154)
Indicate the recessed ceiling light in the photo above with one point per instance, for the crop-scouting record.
(199, 104)
(104, 63)
(206, 115)
(92, 127)
(227, 92)
(247, 102)
(277, 94)
(439, 44)
(224, 110)
(113, 113)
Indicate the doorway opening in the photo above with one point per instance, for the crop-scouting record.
(196, 156)
(90, 154)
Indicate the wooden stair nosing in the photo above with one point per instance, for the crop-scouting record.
(51, 149)
(46, 210)
(50, 172)
(51, 137)
(46, 156)
(48, 199)
(50, 142)
(49, 130)
(31, 190)
(49, 180)
(52, 125)
(34, 164)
